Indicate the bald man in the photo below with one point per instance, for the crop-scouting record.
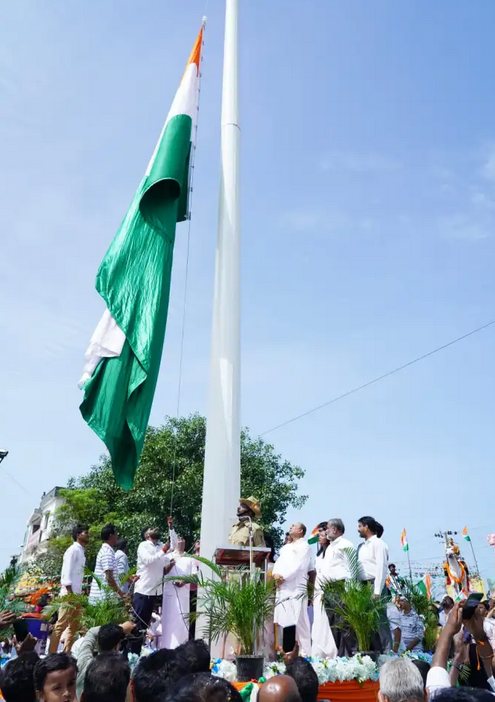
(290, 573)
(280, 688)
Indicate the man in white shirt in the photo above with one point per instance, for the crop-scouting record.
(373, 556)
(337, 568)
(152, 564)
(122, 565)
(373, 566)
(106, 569)
(71, 581)
(290, 573)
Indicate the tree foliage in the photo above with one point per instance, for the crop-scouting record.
(170, 481)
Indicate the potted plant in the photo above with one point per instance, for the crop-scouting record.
(356, 605)
(108, 609)
(234, 603)
(424, 606)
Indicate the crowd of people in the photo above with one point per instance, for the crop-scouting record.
(160, 606)
(183, 674)
(338, 560)
(95, 667)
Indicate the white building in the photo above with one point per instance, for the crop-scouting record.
(40, 525)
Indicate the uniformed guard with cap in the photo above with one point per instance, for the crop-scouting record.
(247, 512)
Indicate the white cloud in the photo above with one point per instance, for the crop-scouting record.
(301, 220)
(489, 166)
(462, 227)
(481, 200)
(321, 222)
(358, 163)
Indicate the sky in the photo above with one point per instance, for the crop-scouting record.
(368, 213)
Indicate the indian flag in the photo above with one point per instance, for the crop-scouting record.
(314, 536)
(403, 541)
(124, 354)
(465, 534)
(424, 585)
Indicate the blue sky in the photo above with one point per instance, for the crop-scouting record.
(368, 205)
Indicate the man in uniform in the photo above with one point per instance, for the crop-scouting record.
(248, 510)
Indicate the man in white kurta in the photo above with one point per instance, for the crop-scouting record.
(291, 575)
(323, 643)
(336, 568)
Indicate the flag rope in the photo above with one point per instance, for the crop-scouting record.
(186, 274)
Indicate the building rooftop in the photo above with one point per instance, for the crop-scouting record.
(47, 496)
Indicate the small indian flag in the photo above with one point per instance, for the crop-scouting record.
(314, 536)
(403, 541)
(424, 585)
(465, 534)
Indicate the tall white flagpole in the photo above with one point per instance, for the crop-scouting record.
(222, 472)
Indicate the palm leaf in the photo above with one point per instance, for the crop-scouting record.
(205, 561)
(231, 602)
(352, 562)
(99, 581)
(354, 602)
(129, 575)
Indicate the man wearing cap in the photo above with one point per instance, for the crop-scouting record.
(248, 510)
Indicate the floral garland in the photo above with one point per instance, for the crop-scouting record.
(359, 668)
(451, 574)
(328, 670)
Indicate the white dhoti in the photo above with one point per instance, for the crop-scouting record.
(323, 644)
(291, 607)
(176, 605)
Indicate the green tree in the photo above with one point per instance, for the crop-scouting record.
(170, 481)
(82, 506)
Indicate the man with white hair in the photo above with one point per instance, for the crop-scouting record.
(401, 681)
(337, 568)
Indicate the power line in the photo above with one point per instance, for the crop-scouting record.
(381, 377)
(16, 482)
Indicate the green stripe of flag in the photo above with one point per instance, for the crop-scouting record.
(134, 280)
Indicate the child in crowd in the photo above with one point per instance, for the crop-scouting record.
(55, 678)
